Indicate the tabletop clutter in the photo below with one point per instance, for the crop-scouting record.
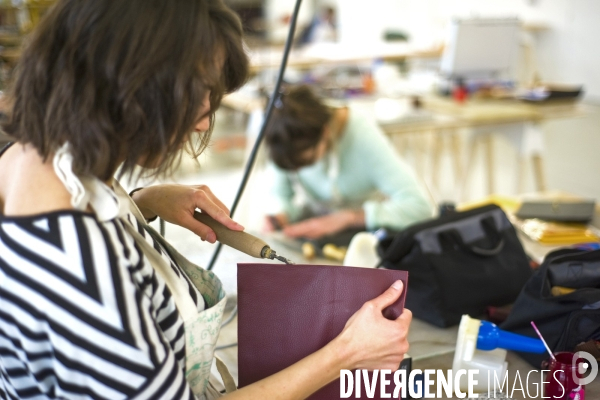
(472, 262)
(469, 268)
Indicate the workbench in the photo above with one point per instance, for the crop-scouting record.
(519, 122)
(431, 347)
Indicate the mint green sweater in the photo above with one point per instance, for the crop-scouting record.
(370, 175)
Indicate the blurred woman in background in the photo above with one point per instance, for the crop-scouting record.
(334, 169)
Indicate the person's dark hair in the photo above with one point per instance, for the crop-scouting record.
(296, 125)
(125, 80)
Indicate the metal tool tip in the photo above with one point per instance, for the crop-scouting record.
(283, 259)
(269, 253)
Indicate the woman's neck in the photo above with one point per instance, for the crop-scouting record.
(338, 122)
(28, 183)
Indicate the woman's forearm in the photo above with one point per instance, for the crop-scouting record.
(368, 341)
(356, 218)
(301, 379)
(138, 197)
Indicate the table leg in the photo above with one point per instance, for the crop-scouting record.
(464, 179)
(489, 149)
(521, 164)
(538, 170)
(456, 153)
(435, 162)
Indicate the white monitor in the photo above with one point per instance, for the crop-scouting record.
(481, 48)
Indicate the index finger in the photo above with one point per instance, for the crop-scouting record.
(217, 213)
(206, 190)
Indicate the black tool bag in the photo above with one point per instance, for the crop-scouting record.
(458, 264)
(564, 320)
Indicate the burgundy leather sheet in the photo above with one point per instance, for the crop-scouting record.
(287, 312)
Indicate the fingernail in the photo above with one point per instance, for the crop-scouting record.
(211, 237)
(397, 285)
(240, 226)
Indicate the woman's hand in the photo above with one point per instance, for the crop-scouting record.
(275, 222)
(315, 228)
(177, 203)
(369, 340)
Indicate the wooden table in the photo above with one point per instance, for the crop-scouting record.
(517, 120)
(446, 114)
(337, 54)
(484, 118)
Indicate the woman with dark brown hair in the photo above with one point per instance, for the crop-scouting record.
(341, 166)
(93, 303)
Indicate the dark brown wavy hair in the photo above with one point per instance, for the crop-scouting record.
(124, 81)
(297, 125)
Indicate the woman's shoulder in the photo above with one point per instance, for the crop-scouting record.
(63, 245)
(66, 251)
(362, 133)
(75, 285)
(29, 184)
(61, 263)
(361, 123)
(56, 228)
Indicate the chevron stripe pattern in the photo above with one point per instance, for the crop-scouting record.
(83, 315)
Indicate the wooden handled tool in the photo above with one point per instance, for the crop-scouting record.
(240, 240)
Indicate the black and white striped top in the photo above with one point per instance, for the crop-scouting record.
(83, 314)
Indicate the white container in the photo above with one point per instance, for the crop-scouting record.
(468, 357)
(362, 251)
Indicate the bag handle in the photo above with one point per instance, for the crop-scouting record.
(488, 226)
(228, 380)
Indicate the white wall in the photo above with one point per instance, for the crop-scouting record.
(567, 53)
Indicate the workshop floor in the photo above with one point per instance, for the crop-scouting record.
(571, 164)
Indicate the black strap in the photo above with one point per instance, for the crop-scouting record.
(131, 195)
(489, 226)
(6, 148)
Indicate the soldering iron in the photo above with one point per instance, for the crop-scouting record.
(240, 240)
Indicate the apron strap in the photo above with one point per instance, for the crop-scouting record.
(185, 305)
(123, 195)
(184, 302)
(228, 381)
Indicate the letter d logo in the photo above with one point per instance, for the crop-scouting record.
(591, 362)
